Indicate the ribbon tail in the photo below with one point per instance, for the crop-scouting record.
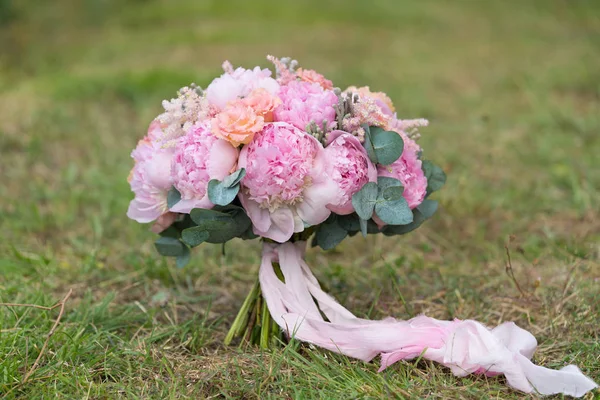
(299, 305)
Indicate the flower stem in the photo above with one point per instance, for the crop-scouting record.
(241, 320)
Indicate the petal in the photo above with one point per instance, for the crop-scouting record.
(186, 205)
(282, 225)
(143, 212)
(313, 209)
(259, 216)
(222, 159)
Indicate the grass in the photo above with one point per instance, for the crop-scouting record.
(512, 90)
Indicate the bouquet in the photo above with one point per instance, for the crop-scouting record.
(290, 158)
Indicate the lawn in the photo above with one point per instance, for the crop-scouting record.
(512, 91)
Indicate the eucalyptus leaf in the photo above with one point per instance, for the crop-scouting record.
(221, 195)
(364, 200)
(330, 235)
(169, 246)
(388, 145)
(392, 230)
(349, 222)
(393, 193)
(171, 231)
(384, 182)
(195, 236)
(199, 215)
(396, 212)
(173, 197)
(368, 144)
(428, 208)
(183, 259)
(436, 178)
(235, 178)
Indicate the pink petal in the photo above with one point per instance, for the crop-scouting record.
(222, 159)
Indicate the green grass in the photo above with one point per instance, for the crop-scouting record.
(512, 89)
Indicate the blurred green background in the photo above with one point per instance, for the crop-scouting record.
(512, 92)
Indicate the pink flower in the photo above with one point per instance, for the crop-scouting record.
(237, 123)
(407, 169)
(305, 102)
(309, 75)
(238, 84)
(351, 169)
(287, 186)
(150, 178)
(199, 157)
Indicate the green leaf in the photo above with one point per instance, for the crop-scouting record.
(329, 235)
(195, 236)
(235, 178)
(173, 197)
(428, 208)
(221, 226)
(349, 222)
(169, 246)
(183, 259)
(171, 231)
(368, 144)
(388, 145)
(393, 193)
(392, 230)
(436, 178)
(221, 195)
(396, 212)
(364, 200)
(199, 215)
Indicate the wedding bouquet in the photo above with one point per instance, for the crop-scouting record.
(293, 157)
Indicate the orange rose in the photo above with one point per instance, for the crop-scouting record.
(308, 75)
(263, 103)
(237, 123)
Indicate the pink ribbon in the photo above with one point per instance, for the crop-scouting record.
(463, 346)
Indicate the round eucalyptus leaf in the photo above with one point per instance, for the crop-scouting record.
(394, 212)
(169, 246)
(221, 195)
(364, 200)
(195, 236)
(388, 145)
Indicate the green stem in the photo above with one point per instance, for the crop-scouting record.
(241, 320)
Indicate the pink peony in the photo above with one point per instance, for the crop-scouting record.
(351, 169)
(286, 186)
(407, 169)
(238, 84)
(150, 178)
(305, 102)
(199, 157)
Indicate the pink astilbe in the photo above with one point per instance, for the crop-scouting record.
(285, 74)
(181, 113)
(150, 178)
(351, 169)
(303, 103)
(287, 185)
(365, 111)
(199, 157)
